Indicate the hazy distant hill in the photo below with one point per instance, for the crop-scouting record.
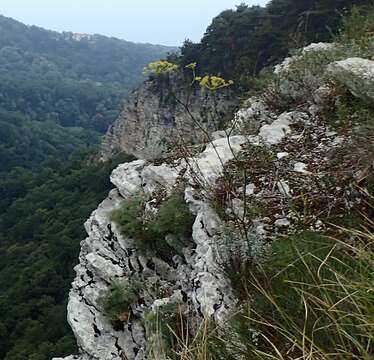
(66, 80)
(77, 56)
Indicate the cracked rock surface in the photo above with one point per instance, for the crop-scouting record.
(106, 256)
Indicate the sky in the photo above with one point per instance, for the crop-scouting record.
(166, 22)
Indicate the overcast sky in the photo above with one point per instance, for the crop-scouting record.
(167, 22)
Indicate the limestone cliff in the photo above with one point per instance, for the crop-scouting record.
(154, 117)
(287, 154)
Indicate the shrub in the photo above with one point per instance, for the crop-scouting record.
(163, 234)
(116, 302)
(358, 30)
(129, 218)
(174, 220)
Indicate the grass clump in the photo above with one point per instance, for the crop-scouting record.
(164, 326)
(163, 233)
(312, 300)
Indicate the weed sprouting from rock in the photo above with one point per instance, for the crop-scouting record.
(162, 232)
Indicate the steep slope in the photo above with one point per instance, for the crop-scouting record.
(238, 45)
(155, 119)
(281, 169)
(306, 147)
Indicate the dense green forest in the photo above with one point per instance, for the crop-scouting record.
(58, 93)
(241, 42)
(61, 90)
(41, 225)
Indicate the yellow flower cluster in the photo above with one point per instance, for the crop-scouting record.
(159, 67)
(213, 82)
(192, 66)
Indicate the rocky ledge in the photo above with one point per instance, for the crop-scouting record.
(303, 150)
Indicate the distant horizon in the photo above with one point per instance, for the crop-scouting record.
(89, 34)
(166, 23)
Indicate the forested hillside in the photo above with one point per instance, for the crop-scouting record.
(41, 224)
(241, 42)
(58, 94)
(73, 84)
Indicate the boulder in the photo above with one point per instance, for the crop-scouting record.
(357, 75)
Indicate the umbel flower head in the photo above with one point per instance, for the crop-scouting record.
(160, 67)
(213, 82)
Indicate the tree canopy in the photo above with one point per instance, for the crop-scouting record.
(239, 43)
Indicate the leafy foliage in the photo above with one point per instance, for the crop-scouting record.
(239, 43)
(116, 303)
(58, 91)
(163, 234)
(42, 213)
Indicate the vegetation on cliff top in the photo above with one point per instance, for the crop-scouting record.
(239, 43)
(311, 295)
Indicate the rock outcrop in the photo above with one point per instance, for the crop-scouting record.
(286, 155)
(107, 256)
(155, 118)
(357, 75)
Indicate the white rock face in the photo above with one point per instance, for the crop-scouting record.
(275, 132)
(249, 190)
(319, 47)
(282, 222)
(152, 119)
(284, 188)
(208, 165)
(282, 155)
(106, 256)
(127, 177)
(284, 67)
(253, 114)
(357, 75)
(301, 168)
